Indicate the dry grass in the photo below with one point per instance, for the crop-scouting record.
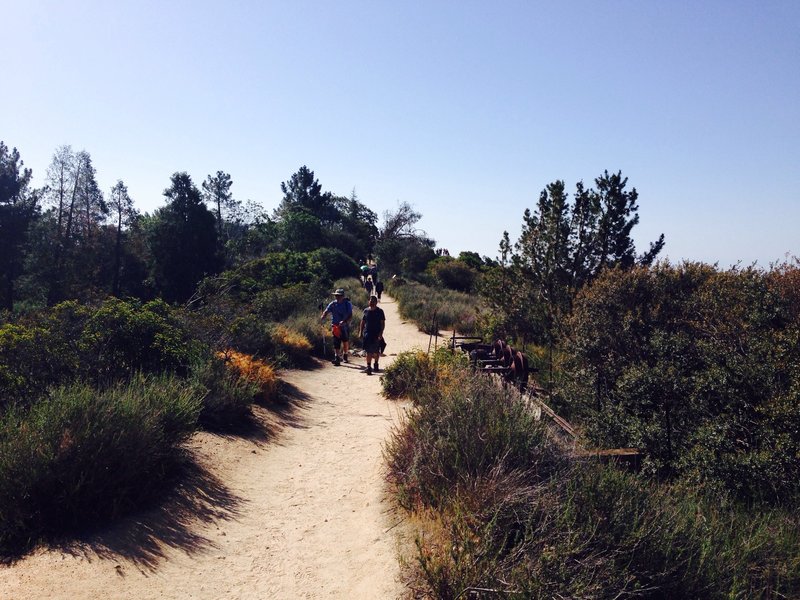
(293, 348)
(253, 370)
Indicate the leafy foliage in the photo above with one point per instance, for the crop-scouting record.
(309, 218)
(183, 240)
(453, 274)
(563, 246)
(103, 344)
(402, 248)
(19, 208)
(695, 367)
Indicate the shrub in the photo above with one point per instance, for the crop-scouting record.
(280, 303)
(226, 394)
(31, 358)
(423, 377)
(80, 456)
(291, 344)
(409, 376)
(253, 370)
(332, 264)
(123, 336)
(251, 334)
(102, 344)
(504, 512)
(453, 274)
(471, 429)
(277, 270)
(694, 366)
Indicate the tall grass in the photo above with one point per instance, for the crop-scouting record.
(506, 512)
(226, 394)
(434, 309)
(79, 456)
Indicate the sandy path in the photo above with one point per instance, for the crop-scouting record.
(296, 513)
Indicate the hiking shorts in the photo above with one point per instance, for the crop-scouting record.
(372, 345)
(344, 335)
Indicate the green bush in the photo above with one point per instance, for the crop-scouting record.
(279, 269)
(226, 397)
(101, 344)
(453, 274)
(411, 375)
(251, 334)
(80, 456)
(423, 377)
(697, 368)
(124, 336)
(31, 358)
(332, 264)
(280, 303)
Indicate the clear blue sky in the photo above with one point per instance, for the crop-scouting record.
(463, 109)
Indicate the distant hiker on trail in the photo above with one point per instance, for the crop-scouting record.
(379, 288)
(364, 273)
(368, 286)
(371, 328)
(341, 312)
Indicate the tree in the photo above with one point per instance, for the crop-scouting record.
(325, 219)
(183, 240)
(474, 260)
(544, 246)
(92, 204)
(302, 232)
(618, 216)
(217, 192)
(19, 207)
(401, 247)
(123, 213)
(564, 246)
(304, 193)
(357, 230)
(79, 209)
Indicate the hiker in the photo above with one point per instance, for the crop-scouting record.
(368, 286)
(364, 273)
(371, 328)
(379, 289)
(341, 311)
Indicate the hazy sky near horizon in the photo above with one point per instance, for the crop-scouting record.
(466, 110)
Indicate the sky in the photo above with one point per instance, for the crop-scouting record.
(465, 110)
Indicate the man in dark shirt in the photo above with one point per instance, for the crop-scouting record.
(371, 328)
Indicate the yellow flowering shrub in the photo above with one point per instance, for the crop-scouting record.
(293, 344)
(254, 370)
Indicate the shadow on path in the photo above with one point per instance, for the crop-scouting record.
(143, 538)
(193, 494)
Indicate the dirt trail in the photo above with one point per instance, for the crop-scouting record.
(293, 509)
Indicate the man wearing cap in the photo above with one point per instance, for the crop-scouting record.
(341, 312)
